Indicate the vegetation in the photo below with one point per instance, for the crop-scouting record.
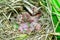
(9, 11)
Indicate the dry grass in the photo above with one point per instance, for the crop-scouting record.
(10, 9)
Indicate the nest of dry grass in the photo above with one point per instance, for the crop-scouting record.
(10, 9)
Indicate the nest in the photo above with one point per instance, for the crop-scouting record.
(9, 10)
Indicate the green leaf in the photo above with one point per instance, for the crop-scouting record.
(16, 25)
(22, 37)
(55, 19)
(58, 28)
